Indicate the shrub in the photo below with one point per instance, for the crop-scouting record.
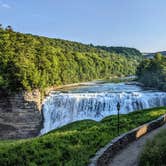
(154, 152)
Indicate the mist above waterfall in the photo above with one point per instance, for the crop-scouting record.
(96, 102)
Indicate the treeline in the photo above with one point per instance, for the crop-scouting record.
(152, 72)
(125, 51)
(29, 62)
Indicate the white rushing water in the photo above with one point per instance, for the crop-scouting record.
(96, 102)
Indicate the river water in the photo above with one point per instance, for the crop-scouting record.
(95, 101)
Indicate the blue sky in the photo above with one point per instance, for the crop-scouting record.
(134, 23)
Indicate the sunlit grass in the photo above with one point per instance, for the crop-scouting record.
(73, 144)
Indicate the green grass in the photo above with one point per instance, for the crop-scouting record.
(73, 144)
(154, 152)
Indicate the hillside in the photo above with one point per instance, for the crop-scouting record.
(152, 72)
(73, 144)
(28, 61)
(125, 51)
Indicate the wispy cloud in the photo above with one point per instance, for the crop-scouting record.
(4, 5)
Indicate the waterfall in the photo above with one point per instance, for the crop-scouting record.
(63, 108)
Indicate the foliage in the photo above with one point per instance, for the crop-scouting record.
(125, 51)
(152, 72)
(154, 151)
(73, 144)
(28, 61)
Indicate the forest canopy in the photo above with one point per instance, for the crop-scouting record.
(152, 72)
(125, 51)
(28, 61)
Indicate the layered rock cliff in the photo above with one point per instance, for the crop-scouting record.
(20, 114)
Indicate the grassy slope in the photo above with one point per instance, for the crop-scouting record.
(73, 144)
(154, 153)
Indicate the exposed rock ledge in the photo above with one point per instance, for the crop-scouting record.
(20, 114)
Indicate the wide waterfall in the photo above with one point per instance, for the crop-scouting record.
(96, 102)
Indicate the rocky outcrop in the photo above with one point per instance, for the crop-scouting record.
(20, 114)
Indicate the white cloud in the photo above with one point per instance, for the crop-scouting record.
(4, 5)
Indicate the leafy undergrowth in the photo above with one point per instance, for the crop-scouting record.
(73, 144)
(154, 153)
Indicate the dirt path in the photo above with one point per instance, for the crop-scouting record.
(129, 156)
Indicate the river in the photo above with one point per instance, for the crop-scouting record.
(96, 100)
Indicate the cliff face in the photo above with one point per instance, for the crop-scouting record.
(20, 115)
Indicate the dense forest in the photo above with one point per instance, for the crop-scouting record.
(28, 61)
(152, 72)
(125, 51)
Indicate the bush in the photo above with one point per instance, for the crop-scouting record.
(154, 153)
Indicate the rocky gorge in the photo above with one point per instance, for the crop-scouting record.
(28, 114)
(20, 114)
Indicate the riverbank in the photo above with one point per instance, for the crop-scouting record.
(126, 79)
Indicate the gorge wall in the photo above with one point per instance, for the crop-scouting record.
(20, 114)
